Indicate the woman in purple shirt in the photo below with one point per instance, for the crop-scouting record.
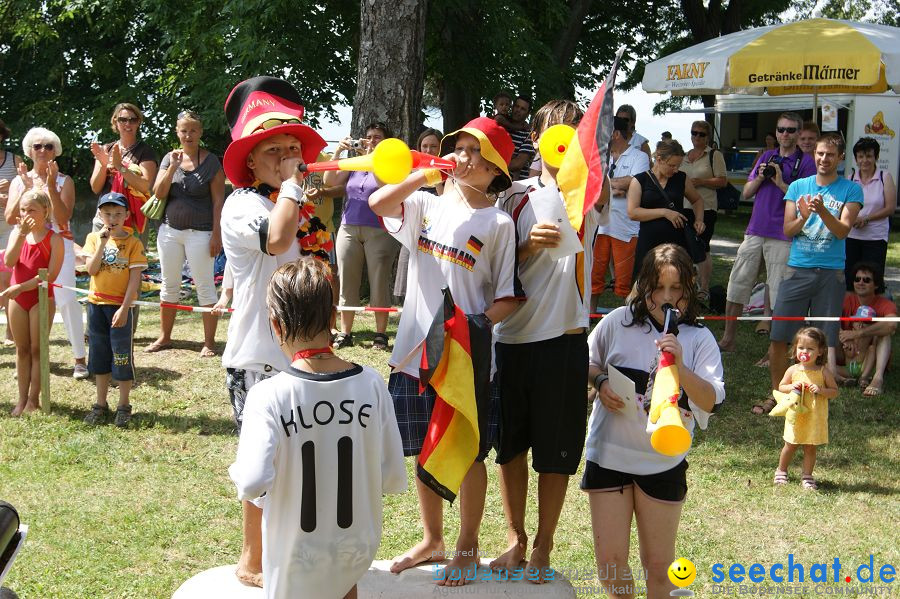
(361, 240)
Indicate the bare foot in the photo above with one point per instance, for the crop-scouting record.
(422, 553)
(30, 407)
(513, 557)
(17, 411)
(729, 346)
(248, 577)
(763, 362)
(462, 569)
(538, 570)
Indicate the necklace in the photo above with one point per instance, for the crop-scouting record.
(317, 353)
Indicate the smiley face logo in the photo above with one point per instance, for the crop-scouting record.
(682, 572)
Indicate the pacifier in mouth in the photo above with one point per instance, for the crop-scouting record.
(803, 357)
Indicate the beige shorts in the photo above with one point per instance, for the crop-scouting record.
(750, 256)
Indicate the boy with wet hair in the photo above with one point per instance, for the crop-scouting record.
(319, 447)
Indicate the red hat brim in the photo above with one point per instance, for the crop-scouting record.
(235, 160)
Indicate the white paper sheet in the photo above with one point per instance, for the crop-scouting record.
(548, 208)
(624, 388)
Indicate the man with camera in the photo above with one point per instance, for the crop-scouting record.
(764, 238)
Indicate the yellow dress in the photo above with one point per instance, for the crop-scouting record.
(810, 426)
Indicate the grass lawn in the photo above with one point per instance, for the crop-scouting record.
(134, 513)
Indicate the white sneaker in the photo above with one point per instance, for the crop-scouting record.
(80, 373)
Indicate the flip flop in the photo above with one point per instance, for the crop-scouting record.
(763, 328)
(156, 346)
(872, 391)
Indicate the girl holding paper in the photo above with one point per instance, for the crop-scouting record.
(624, 476)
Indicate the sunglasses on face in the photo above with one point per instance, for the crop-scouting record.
(266, 125)
(863, 280)
(786, 129)
(48, 147)
(698, 133)
(128, 119)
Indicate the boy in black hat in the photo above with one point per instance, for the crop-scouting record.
(115, 259)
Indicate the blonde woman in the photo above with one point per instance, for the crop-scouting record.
(192, 181)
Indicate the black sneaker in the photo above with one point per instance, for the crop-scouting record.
(123, 415)
(98, 415)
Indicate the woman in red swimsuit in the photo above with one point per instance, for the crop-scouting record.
(32, 246)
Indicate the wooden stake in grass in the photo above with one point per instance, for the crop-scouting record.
(44, 335)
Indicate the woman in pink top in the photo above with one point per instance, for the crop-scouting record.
(868, 239)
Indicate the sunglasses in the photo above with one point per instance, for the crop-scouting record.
(786, 129)
(698, 133)
(266, 125)
(48, 147)
(128, 119)
(863, 279)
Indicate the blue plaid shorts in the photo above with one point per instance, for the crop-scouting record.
(414, 413)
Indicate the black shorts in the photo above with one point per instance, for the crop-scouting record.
(670, 485)
(413, 411)
(543, 401)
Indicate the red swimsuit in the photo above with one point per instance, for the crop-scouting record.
(32, 258)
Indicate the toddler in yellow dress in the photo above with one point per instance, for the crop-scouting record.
(803, 396)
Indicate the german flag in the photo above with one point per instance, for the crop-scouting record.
(456, 362)
(580, 176)
(474, 245)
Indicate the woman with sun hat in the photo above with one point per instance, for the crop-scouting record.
(260, 224)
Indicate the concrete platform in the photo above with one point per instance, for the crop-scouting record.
(380, 583)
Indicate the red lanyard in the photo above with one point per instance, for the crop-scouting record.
(309, 353)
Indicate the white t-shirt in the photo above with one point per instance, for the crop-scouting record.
(471, 251)
(637, 140)
(323, 448)
(631, 162)
(558, 291)
(618, 442)
(251, 342)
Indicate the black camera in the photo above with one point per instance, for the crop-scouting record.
(769, 171)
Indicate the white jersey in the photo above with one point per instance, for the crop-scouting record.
(251, 343)
(323, 449)
(558, 291)
(471, 251)
(620, 442)
(631, 162)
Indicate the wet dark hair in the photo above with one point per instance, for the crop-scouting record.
(300, 299)
(381, 126)
(817, 335)
(503, 95)
(866, 144)
(656, 259)
(556, 112)
(870, 267)
(4, 131)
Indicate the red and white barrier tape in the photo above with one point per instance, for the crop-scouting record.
(186, 308)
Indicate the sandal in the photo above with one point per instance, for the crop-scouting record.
(380, 341)
(763, 328)
(765, 407)
(808, 483)
(157, 346)
(864, 382)
(781, 477)
(872, 391)
(342, 340)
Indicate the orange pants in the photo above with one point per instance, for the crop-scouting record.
(622, 254)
